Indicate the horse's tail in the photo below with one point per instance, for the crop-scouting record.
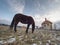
(33, 26)
(12, 23)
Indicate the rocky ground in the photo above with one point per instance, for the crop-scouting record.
(39, 37)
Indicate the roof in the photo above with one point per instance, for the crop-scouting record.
(46, 22)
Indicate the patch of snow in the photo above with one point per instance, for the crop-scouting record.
(1, 42)
(21, 36)
(11, 40)
(40, 42)
(58, 38)
(5, 42)
(34, 44)
(10, 36)
(55, 44)
(47, 43)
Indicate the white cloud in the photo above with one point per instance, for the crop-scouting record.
(54, 1)
(38, 19)
(16, 5)
(37, 5)
(53, 16)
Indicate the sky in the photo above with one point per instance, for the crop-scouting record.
(38, 9)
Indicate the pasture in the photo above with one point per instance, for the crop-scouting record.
(39, 37)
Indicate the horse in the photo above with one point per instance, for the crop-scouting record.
(24, 19)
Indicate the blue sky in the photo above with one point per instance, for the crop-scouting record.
(38, 9)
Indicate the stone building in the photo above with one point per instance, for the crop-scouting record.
(46, 24)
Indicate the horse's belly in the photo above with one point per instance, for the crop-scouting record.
(24, 22)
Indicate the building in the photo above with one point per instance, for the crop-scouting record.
(46, 24)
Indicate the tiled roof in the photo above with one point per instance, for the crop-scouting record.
(46, 22)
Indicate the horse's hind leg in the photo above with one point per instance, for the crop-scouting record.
(27, 28)
(33, 27)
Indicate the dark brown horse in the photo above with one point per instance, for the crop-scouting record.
(23, 19)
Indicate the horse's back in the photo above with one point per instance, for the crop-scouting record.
(23, 18)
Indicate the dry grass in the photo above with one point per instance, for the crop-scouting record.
(39, 37)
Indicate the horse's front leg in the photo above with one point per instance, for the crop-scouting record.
(27, 28)
(15, 27)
